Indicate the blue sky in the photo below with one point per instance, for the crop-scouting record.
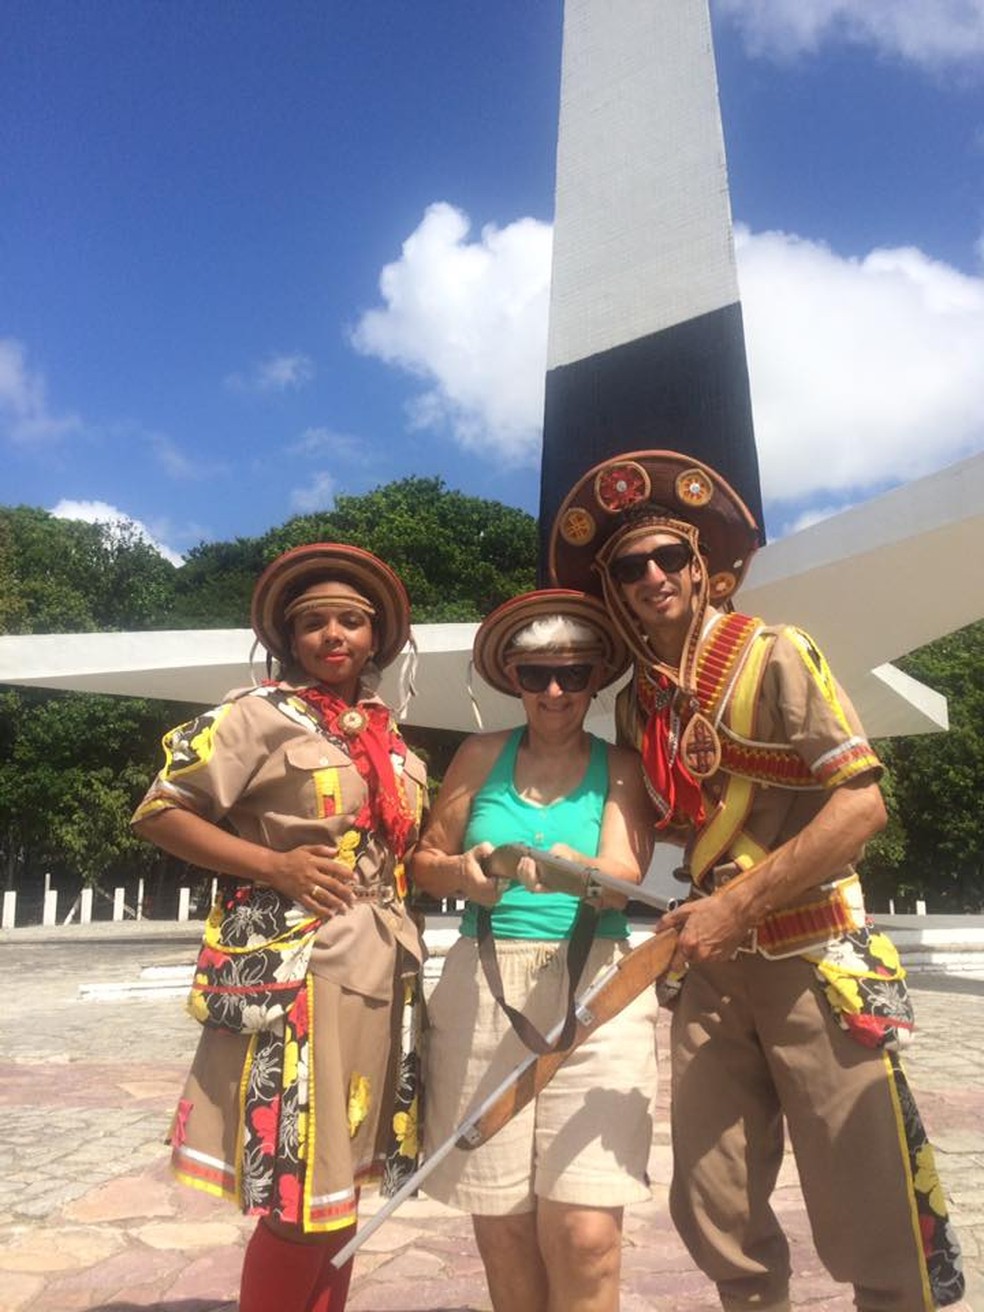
(253, 255)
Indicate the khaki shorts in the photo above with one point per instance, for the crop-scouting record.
(586, 1138)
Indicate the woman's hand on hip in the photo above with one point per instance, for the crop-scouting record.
(313, 877)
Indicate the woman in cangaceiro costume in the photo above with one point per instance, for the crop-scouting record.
(303, 794)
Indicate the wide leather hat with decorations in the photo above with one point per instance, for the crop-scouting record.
(291, 573)
(602, 502)
(490, 650)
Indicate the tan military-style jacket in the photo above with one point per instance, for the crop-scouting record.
(797, 708)
(276, 781)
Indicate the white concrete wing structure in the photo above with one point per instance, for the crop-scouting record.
(869, 584)
(646, 349)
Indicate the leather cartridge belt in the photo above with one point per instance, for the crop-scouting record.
(835, 908)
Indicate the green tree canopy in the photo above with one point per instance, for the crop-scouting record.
(66, 576)
(936, 836)
(458, 556)
(72, 766)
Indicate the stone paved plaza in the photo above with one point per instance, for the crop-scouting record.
(89, 1218)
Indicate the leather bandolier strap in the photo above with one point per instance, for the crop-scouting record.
(730, 668)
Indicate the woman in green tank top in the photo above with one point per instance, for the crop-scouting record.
(547, 1194)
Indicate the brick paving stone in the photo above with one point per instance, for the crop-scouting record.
(19, 1290)
(82, 1137)
(121, 1199)
(103, 1283)
(185, 1236)
(213, 1275)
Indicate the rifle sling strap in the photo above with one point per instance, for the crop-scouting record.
(578, 947)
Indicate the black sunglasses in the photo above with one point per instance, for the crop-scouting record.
(671, 557)
(537, 678)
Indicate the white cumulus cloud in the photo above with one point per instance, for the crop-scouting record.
(316, 493)
(25, 415)
(321, 442)
(277, 373)
(171, 458)
(469, 319)
(100, 512)
(931, 33)
(863, 371)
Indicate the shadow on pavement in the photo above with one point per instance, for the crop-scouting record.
(170, 1305)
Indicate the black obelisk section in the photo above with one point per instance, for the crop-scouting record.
(646, 345)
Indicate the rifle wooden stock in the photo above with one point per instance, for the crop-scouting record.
(604, 999)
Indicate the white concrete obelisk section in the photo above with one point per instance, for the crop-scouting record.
(641, 202)
(645, 341)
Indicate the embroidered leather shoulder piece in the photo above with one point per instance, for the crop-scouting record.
(721, 660)
(778, 764)
(718, 662)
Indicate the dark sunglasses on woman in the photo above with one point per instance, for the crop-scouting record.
(671, 558)
(537, 678)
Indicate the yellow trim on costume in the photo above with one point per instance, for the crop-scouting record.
(818, 669)
(724, 830)
(243, 1085)
(153, 806)
(202, 744)
(328, 788)
(306, 1148)
(928, 1301)
(203, 1186)
(348, 846)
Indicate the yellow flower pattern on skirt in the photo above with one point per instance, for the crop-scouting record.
(864, 985)
(358, 1102)
(862, 980)
(405, 1128)
(403, 1144)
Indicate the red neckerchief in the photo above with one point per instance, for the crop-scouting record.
(371, 747)
(675, 793)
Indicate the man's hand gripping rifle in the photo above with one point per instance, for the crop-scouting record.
(605, 998)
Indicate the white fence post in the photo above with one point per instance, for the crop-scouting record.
(140, 897)
(9, 909)
(118, 903)
(184, 903)
(920, 907)
(85, 907)
(49, 915)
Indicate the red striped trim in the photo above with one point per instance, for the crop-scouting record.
(766, 764)
(219, 1179)
(796, 926)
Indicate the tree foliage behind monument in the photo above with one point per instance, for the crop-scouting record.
(933, 848)
(73, 765)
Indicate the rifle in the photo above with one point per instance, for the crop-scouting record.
(561, 875)
(609, 995)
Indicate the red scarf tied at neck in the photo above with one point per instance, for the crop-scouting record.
(674, 791)
(371, 745)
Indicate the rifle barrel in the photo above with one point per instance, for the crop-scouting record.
(413, 1182)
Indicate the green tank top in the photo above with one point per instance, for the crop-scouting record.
(499, 815)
